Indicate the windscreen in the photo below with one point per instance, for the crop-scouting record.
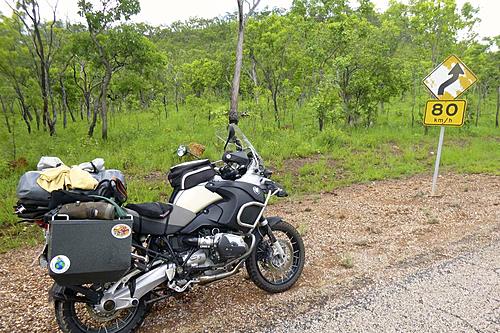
(241, 142)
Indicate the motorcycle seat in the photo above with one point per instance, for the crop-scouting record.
(158, 218)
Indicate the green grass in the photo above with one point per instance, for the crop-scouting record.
(143, 147)
(346, 260)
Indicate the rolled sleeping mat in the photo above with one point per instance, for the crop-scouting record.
(88, 210)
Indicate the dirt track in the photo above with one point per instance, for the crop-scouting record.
(383, 229)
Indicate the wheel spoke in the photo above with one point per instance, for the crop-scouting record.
(279, 270)
(88, 319)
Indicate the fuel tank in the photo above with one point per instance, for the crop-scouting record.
(196, 198)
(233, 197)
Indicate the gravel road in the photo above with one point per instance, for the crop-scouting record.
(377, 253)
(461, 294)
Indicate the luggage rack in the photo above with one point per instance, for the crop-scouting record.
(67, 218)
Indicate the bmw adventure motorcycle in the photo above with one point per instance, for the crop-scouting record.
(213, 225)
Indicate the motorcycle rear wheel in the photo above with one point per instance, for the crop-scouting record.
(274, 274)
(77, 317)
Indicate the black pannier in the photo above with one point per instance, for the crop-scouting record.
(189, 174)
(89, 251)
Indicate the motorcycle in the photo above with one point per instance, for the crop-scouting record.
(213, 225)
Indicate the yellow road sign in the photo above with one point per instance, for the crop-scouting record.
(450, 79)
(445, 113)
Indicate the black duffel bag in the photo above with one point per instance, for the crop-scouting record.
(108, 188)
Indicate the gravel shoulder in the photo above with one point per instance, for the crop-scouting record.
(355, 237)
(461, 294)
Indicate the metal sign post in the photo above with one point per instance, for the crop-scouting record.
(438, 159)
(446, 82)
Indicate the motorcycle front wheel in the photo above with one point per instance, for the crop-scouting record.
(273, 272)
(79, 317)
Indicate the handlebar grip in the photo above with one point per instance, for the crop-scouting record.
(273, 186)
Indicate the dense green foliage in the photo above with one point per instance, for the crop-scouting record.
(344, 62)
(331, 94)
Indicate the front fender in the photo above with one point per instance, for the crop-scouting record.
(273, 220)
(263, 230)
(267, 229)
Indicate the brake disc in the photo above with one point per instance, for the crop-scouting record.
(276, 264)
(101, 317)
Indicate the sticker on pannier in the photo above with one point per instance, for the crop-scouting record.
(60, 264)
(121, 231)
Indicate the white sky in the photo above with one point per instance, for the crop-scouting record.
(159, 12)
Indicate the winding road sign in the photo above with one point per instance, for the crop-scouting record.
(450, 79)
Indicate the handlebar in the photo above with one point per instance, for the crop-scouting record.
(273, 186)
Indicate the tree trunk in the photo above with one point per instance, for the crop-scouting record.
(44, 66)
(64, 96)
(86, 96)
(478, 108)
(14, 148)
(53, 120)
(142, 99)
(24, 109)
(165, 106)
(65, 116)
(81, 110)
(254, 78)
(275, 105)
(285, 110)
(345, 109)
(498, 108)
(104, 102)
(6, 116)
(413, 102)
(37, 119)
(94, 117)
(321, 123)
(176, 98)
(235, 86)
(44, 81)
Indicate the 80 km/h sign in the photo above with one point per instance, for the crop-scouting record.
(445, 113)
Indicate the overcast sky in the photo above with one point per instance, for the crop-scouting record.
(158, 12)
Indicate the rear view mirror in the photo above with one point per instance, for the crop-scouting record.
(182, 150)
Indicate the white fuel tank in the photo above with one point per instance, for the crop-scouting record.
(196, 198)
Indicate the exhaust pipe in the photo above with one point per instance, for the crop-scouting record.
(144, 284)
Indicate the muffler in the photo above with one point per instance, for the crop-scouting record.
(120, 295)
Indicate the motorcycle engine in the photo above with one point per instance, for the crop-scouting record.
(218, 248)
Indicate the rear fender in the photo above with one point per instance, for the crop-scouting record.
(69, 293)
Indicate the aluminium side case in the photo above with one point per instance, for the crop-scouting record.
(89, 251)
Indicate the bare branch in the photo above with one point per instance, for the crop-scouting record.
(251, 7)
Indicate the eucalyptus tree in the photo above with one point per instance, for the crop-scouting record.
(85, 69)
(486, 65)
(103, 35)
(41, 46)
(16, 70)
(275, 49)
